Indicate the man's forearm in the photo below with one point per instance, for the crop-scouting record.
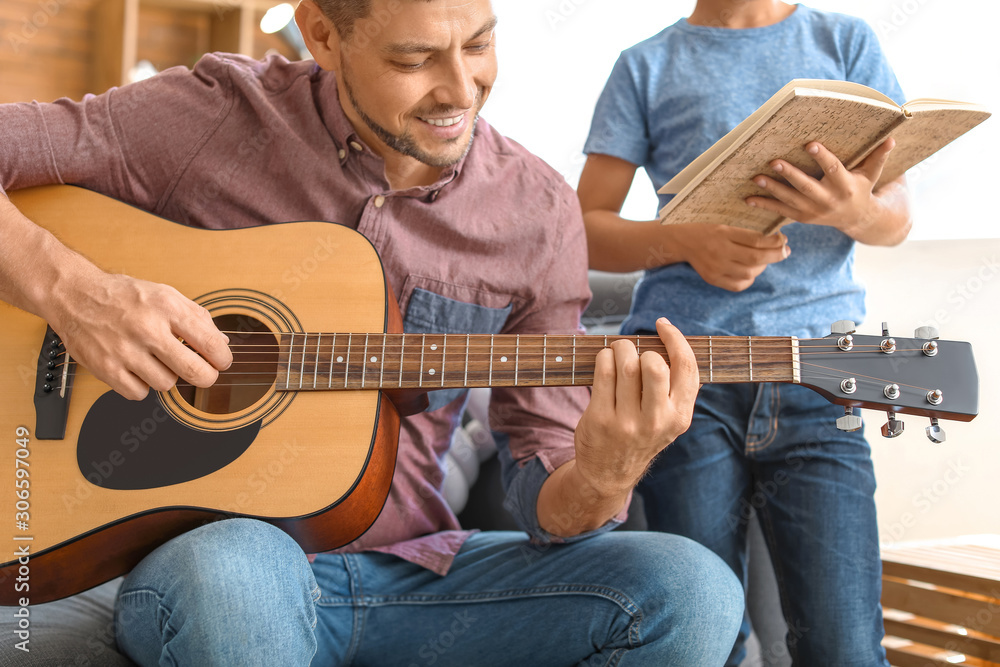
(568, 505)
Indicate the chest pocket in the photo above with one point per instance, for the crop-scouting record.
(428, 312)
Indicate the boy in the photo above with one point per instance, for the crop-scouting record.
(771, 447)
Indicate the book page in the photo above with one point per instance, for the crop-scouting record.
(845, 124)
(750, 124)
(928, 128)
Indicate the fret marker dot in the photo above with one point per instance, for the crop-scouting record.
(374, 359)
(340, 360)
(434, 346)
(431, 372)
(558, 358)
(504, 359)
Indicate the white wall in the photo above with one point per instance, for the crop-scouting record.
(931, 490)
(555, 56)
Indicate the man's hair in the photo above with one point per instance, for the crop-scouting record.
(344, 13)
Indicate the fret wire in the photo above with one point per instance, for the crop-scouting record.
(573, 376)
(444, 352)
(347, 359)
(319, 337)
(381, 366)
(423, 346)
(466, 360)
(545, 344)
(517, 352)
(710, 373)
(750, 354)
(402, 348)
(364, 362)
(333, 353)
(302, 368)
(492, 352)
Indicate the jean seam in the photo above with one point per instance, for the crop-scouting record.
(617, 597)
(767, 526)
(358, 611)
(615, 658)
(159, 605)
(772, 432)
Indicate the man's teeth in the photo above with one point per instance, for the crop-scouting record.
(442, 122)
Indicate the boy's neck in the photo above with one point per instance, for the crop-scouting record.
(737, 14)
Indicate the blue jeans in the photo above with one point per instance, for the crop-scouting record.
(774, 449)
(240, 592)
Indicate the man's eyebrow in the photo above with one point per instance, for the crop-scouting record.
(410, 48)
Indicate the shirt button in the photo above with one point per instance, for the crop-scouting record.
(379, 200)
(356, 146)
(341, 153)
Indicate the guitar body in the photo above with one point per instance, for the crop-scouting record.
(127, 476)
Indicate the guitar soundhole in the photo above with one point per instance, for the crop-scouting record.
(254, 369)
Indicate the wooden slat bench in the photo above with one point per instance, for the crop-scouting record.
(941, 603)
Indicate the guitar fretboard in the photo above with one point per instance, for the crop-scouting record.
(332, 361)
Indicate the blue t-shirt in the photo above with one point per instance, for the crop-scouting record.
(672, 96)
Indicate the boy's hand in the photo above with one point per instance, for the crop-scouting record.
(842, 199)
(725, 256)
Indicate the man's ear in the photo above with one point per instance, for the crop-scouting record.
(320, 35)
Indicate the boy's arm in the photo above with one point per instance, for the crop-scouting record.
(843, 199)
(724, 256)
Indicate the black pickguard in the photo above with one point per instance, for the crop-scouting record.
(131, 445)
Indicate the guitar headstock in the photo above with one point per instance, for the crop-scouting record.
(919, 376)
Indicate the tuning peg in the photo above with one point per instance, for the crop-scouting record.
(885, 328)
(934, 432)
(850, 421)
(843, 327)
(893, 427)
(928, 332)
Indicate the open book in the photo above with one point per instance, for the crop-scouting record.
(848, 118)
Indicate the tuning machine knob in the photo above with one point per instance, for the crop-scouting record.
(850, 421)
(843, 327)
(935, 433)
(893, 427)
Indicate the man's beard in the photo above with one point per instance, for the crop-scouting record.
(405, 143)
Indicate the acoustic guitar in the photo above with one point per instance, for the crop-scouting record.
(301, 430)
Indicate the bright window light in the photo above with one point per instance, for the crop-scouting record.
(276, 18)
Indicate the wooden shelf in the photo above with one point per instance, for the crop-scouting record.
(175, 32)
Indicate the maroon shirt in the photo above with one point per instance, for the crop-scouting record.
(496, 245)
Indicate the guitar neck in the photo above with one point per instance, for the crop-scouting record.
(329, 361)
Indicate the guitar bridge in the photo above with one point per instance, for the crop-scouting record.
(53, 386)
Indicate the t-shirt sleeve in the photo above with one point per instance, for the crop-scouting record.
(868, 65)
(619, 127)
